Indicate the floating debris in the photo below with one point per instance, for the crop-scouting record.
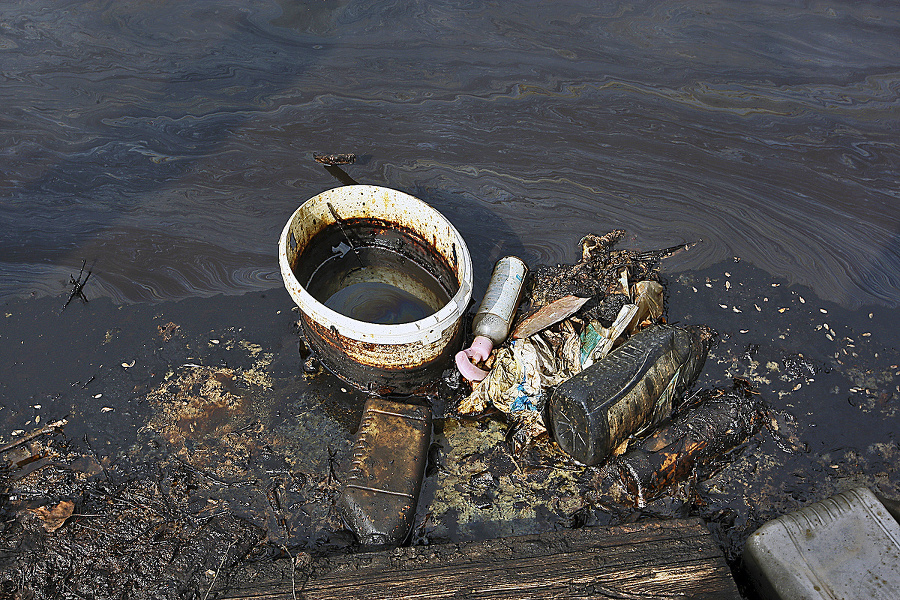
(168, 331)
(78, 285)
(332, 160)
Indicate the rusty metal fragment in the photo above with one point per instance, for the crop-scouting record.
(388, 464)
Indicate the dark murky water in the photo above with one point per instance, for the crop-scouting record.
(373, 280)
(166, 144)
(170, 142)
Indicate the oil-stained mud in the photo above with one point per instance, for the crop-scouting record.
(147, 533)
(206, 446)
(829, 378)
(480, 490)
(201, 448)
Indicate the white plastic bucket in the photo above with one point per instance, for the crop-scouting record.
(375, 357)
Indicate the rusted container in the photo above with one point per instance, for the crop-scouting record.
(376, 357)
(388, 464)
(715, 423)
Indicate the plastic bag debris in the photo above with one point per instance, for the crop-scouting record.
(515, 386)
(597, 341)
(648, 298)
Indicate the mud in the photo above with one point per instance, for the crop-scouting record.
(192, 423)
(149, 535)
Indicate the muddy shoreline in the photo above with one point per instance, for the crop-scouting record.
(198, 449)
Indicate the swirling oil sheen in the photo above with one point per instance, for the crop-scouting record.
(167, 143)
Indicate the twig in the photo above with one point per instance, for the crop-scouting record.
(293, 570)
(38, 432)
(331, 471)
(340, 223)
(222, 562)
(203, 473)
(96, 457)
(78, 289)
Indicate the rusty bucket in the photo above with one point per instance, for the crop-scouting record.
(376, 357)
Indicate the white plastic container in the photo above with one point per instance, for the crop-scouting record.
(844, 547)
(376, 357)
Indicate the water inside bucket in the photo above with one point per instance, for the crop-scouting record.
(385, 277)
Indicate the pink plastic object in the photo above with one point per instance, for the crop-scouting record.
(479, 351)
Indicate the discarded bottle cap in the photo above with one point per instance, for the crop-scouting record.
(387, 467)
(629, 390)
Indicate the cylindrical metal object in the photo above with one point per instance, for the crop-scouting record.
(629, 390)
(722, 420)
(497, 308)
(375, 357)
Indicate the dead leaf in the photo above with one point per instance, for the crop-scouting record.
(53, 518)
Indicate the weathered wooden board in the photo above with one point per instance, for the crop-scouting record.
(663, 559)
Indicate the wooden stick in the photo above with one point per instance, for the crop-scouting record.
(38, 432)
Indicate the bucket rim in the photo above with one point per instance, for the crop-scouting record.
(427, 329)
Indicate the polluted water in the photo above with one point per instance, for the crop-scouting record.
(374, 281)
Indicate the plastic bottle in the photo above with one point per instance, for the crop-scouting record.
(631, 389)
(494, 316)
(388, 464)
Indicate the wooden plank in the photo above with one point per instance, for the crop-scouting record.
(660, 559)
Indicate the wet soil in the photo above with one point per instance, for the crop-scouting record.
(200, 448)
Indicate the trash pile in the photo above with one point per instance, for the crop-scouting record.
(573, 317)
(592, 365)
